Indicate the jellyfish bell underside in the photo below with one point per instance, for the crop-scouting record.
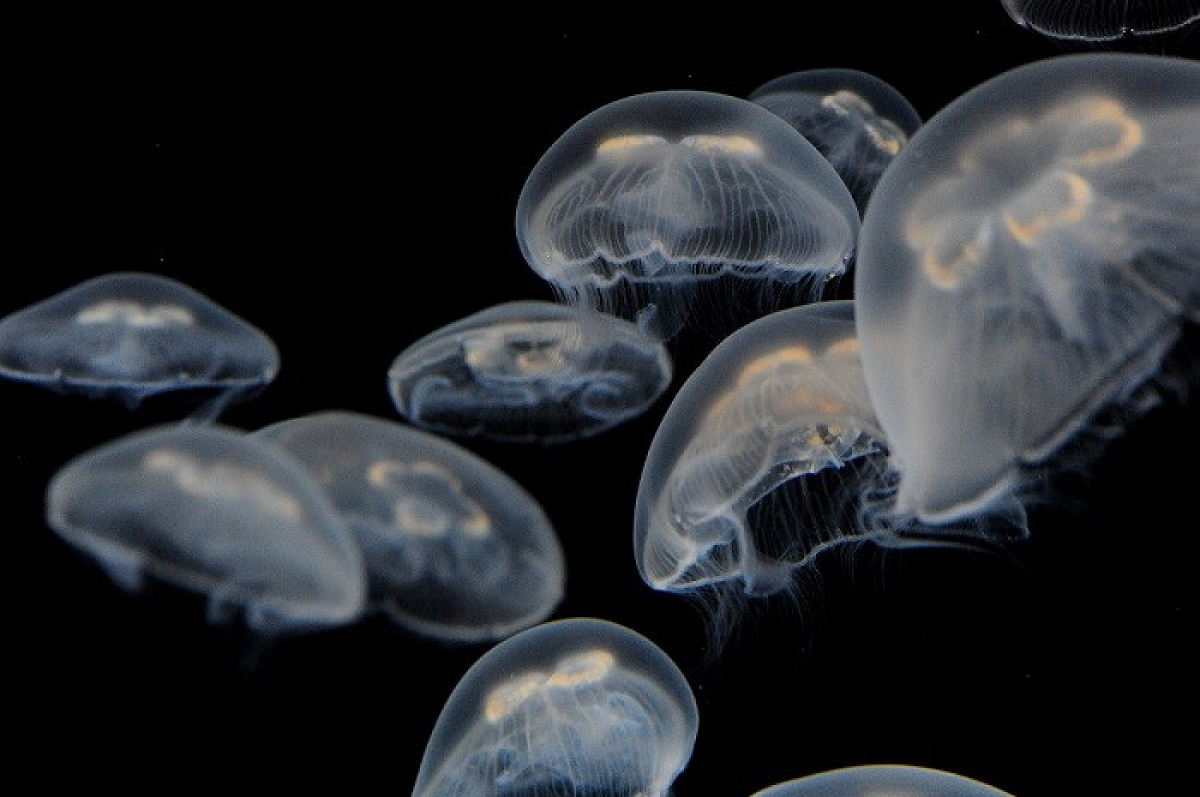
(1026, 263)
(135, 335)
(856, 120)
(529, 371)
(728, 488)
(454, 549)
(215, 512)
(646, 202)
(575, 706)
(883, 780)
(1102, 20)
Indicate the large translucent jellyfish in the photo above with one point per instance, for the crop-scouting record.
(732, 490)
(577, 706)
(454, 548)
(883, 780)
(1025, 264)
(643, 201)
(1100, 20)
(133, 335)
(857, 121)
(529, 370)
(217, 512)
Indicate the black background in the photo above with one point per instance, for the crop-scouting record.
(348, 183)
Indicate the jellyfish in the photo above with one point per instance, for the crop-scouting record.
(454, 548)
(133, 335)
(529, 370)
(878, 780)
(216, 512)
(1026, 265)
(1101, 20)
(857, 121)
(761, 459)
(646, 201)
(575, 706)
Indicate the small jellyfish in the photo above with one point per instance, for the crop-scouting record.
(1027, 263)
(454, 548)
(217, 512)
(578, 706)
(529, 370)
(733, 490)
(133, 335)
(1102, 20)
(883, 780)
(857, 121)
(644, 201)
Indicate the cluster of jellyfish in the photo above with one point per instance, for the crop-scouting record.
(1024, 261)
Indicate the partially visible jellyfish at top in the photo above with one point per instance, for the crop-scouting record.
(134, 335)
(1026, 268)
(761, 460)
(883, 780)
(856, 120)
(575, 706)
(675, 207)
(529, 371)
(215, 512)
(454, 549)
(1102, 20)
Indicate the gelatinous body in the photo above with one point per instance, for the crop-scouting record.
(454, 548)
(132, 335)
(577, 706)
(1100, 20)
(214, 511)
(529, 371)
(857, 121)
(1026, 262)
(883, 780)
(643, 200)
(724, 492)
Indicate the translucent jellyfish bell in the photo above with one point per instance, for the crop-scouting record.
(454, 548)
(133, 335)
(1100, 20)
(857, 121)
(529, 371)
(576, 706)
(1026, 262)
(642, 201)
(217, 512)
(732, 487)
(883, 780)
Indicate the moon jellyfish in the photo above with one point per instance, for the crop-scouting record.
(576, 706)
(857, 121)
(133, 335)
(454, 548)
(529, 371)
(1026, 264)
(1099, 20)
(759, 462)
(643, 201)
(883, 780)
(217, 512)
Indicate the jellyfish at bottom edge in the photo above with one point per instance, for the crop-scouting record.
(574, 706)
(883, 780)
(216, 512)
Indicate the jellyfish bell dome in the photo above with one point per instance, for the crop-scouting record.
(646, 198)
